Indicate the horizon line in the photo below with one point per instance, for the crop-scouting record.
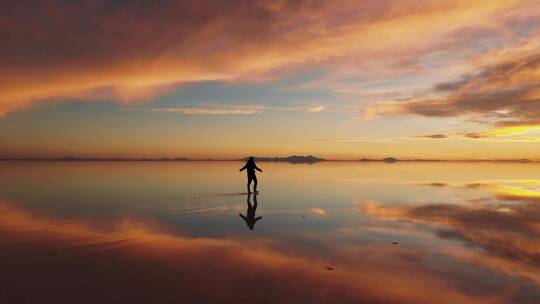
(292, 158)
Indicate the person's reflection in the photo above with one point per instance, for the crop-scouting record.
(250, 218)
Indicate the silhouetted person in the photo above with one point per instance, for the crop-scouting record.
(250, 218)
(251, 167)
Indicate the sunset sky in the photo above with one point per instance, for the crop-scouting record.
(227, 79)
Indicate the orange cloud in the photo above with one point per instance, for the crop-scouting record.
(239, 110)
(133, 51)
(505, 92)
(317, 211)
(317, 109)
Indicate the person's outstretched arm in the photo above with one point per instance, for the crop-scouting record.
(243, 168)
(257, 168)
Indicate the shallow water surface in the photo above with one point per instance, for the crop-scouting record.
(332, 232)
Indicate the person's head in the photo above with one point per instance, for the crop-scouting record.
(251, 159)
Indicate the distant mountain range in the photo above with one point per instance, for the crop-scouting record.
(393, 160)
(386, 160)
(73, 158)
(294, 159)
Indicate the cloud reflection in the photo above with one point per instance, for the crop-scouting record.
(139, 260)
(502, 233)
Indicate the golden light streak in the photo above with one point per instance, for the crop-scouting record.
(517, 130)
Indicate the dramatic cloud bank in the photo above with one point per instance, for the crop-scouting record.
(136, 50)
(507, 93)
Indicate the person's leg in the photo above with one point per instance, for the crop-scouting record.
(249, 185)
(255, 184)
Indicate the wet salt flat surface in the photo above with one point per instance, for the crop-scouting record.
(333, 232)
